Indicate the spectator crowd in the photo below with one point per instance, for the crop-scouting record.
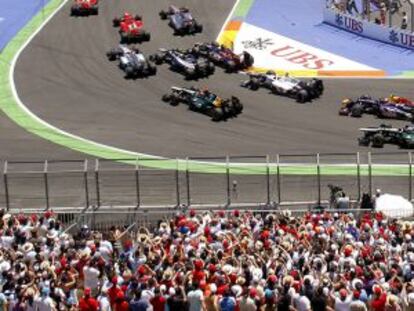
(210, 261)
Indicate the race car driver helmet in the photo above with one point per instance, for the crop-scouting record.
(346, 102)
(394, 98)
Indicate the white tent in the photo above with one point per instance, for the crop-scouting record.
(394, 206)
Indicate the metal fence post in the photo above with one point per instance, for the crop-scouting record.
(46, 182)
(358, 163)
(137, 184)
(187, 178)
(6, 185)
(410, 175)
(268, 179)
(228, 180)
(279, 195)
(177, 182)
(85, 180)
(98, 194)
(369, 174)
(318, 173)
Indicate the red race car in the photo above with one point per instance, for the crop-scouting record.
(398, 100)
(126, 18)
(84, 7)
(131, 31)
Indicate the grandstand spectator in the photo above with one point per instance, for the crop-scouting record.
(351, 6)
(404, 21)
(383, 13)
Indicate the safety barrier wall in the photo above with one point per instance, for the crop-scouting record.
(390, 35)
(250, 182)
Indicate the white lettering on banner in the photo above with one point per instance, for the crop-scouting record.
(271, 50)
(370, 30)
(297, 56)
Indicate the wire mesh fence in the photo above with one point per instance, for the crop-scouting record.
(225, 181)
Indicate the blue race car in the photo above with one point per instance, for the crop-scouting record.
(181, 20)
(382, 108)
(185, 62)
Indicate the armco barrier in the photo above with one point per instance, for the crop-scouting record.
(245, 182)
(393, 36)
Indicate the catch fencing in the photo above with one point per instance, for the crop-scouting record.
(389, 13)
(299, 181)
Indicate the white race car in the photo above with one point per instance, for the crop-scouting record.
(284, 85)
(132, 61)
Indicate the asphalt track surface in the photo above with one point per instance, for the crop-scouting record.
(63, 76)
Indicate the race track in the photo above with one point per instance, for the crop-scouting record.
(63, 76)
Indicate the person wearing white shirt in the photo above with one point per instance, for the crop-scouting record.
(91, 277)
(104, 304)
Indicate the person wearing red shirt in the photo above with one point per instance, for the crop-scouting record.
(158, 301)
(379, 299)
(88, 303)
(113, 291)
(120, 303)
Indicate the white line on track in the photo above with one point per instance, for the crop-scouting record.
(227, 19)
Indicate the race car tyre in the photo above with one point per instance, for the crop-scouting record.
(73, 11)
(217, 114)
(302, 96)
(216, 44)
(166, 98)
(146, 36)
(191, 73)
(124, 38)
(363, 141)
(248, 60)
(377, 141)
(270, 72)
(174, 101)
(138, 17)
(254, 84)
(116, 22)
(129, 72)
(198, 27)
(163, 14)
(236, 105)
(113, 54)
(184, 9)
(356, 111)
(210, 68)
(231, 66)
(152, 69)
(157, 59)
(95, 10)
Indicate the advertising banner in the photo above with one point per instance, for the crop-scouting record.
(370, 30)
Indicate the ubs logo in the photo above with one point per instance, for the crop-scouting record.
(349, 23)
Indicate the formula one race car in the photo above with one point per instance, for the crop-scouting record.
(132, 62)
(385, 134)
(132, 30)
(184, 61)
(181, 20)
(126, 18)
(205, 102)
(382, 108)
(224, 57)
(84, 8)
(285, 85)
